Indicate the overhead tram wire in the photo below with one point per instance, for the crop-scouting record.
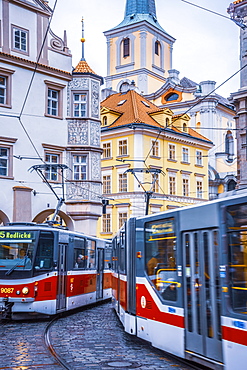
(194, 105)
(237, 22)
(31, 82)
(207, 10)
(37, 61)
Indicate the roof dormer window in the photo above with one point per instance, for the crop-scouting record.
(145, 103)
(121, 102)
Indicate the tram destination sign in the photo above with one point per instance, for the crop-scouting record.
(16, 235)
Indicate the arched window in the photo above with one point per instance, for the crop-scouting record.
(125, 86)
(185, 127)
(167, 122)
(104, 121)
(231, 185)
(157, 47)
(126, 47)
(229, 146)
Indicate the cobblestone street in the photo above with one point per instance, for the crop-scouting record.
(90, 339)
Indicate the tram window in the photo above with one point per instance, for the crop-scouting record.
(91, 244)
(122, 257)
(44, 255)
(160, 257)
(108, 257)
(80, 255)
(188, 279)
(114, 255)
(237, 241)
(208, 283)
(16, 254)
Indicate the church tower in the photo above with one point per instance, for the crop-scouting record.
(139, 51)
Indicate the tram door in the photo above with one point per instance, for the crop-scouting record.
(100, 272)
(202, 293)
(61, 283)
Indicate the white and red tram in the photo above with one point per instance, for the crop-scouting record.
(45, 270)
(180, 281)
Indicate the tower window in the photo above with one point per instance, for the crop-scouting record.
(157, 48)
(126, 47)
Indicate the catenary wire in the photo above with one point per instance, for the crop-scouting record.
(189, 109)
(208, 10)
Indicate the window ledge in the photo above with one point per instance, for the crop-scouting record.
(7, 177)
(182, 162)
(155, 157)
(6, 105)
(123, 156)
(106, 159)
(51, 116)
(171, 160)
(105, 233)
(199, 165)
(53, 181)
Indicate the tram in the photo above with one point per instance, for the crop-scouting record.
(180, 281)
(45, 270)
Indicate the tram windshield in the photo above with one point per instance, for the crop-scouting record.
(160, 256)
(16, 250)
(237, 241)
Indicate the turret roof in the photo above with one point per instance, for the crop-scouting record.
(83, 67)
(140, 10)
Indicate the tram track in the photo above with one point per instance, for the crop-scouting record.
(125, 363)
(51, 348)
(91, 337)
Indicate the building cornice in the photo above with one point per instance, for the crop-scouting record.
(135, 27)
(42, 9)
(8, 139)
(165, 133)
(28, 64)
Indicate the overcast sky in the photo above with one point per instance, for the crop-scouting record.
(206, 47)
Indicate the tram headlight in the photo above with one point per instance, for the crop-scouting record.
(25, 290)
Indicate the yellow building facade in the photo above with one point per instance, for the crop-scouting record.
(148, 152)
(139, 55)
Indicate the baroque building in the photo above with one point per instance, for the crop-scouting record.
(152, 160)
(50, 121)
(139, 52)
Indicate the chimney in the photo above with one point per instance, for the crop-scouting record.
(174, 76)
(207, 87)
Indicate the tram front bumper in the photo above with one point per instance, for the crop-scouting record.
(16, 300)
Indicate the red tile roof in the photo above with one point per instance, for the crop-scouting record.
(83, 67)
(134, 108)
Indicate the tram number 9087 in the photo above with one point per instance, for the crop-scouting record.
(7, 290)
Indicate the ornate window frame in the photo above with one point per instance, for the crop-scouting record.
(7, 143)
(21, 50)
(51, 85)
(7, 75)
